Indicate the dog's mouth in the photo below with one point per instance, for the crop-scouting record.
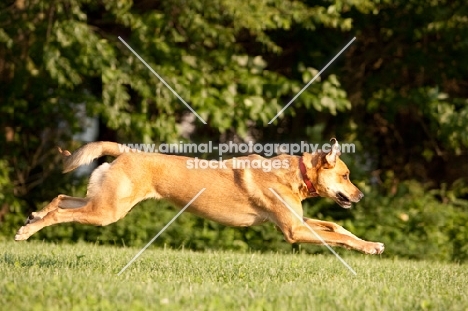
(343, 200)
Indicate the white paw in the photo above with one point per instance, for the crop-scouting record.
(374, 248)
(380, 248)
(22, 234)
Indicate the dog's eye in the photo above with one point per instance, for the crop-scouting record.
(345, 177)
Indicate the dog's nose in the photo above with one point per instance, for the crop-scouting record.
(361, 195)
(357, 196)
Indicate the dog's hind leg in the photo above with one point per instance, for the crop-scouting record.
(61, 200)
(91, 213)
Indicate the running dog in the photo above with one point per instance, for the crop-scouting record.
(233, 196)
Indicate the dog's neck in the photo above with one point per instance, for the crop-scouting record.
(310, 186)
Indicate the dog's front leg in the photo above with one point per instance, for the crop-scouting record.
(300, 233)
(320, 225)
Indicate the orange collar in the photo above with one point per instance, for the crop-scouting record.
(310, 187)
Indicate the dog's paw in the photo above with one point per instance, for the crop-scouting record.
(374, 248)
(33, 217)
(22, 234)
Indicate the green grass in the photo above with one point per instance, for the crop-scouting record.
(42, 276)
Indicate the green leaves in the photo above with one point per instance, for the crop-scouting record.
(452, 118)
(62, 62)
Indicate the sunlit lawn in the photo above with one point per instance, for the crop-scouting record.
(37, 276)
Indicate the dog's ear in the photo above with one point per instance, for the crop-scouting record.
(334, 152)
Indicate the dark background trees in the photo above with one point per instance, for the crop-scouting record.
(399, 93)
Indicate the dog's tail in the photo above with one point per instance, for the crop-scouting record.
(89, 152)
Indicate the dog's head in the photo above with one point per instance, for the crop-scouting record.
(330, 176)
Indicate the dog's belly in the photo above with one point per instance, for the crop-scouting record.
(234, 213)
(231, 218)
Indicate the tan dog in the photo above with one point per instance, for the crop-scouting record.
(233, 196)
